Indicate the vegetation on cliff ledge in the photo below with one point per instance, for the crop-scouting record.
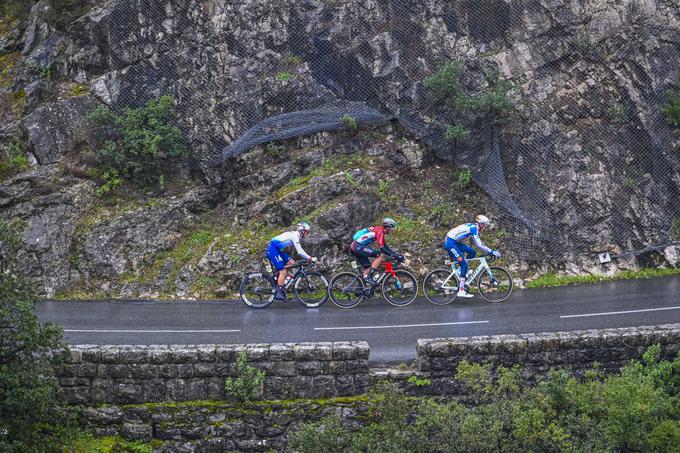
(635, 410)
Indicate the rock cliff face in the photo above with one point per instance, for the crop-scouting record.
(585, 162)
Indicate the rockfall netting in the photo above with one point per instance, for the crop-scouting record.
(555, 107)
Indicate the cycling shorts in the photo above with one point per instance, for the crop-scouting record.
(363, 253)
(278, 258)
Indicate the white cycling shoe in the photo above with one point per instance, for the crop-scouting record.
(464, 294)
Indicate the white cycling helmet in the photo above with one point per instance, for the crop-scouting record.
(389, 223)
(303, 226)
(483, 220)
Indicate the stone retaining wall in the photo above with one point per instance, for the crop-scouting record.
(139, 374)
(538, 353)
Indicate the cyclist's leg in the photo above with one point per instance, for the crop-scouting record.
(462, 250)
(279, 260)
(467, 250)
(363, 255)
(453, 248)
(377, 260)
(283, 272)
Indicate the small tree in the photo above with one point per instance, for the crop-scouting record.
(146, 146)
(247, 386)
(31, 418)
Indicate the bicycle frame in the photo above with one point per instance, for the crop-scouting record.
(483, 265)
(389, 270)
(300, 272)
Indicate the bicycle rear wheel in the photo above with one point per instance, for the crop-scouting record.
(401, 289)
(311, 289)
(257, 290)
(495, 287)
(434, 289)
(346, 289)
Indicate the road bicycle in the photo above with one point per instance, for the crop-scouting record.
(310, 287)
(493, 283)
(399, 287)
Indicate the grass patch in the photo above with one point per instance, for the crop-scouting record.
(421, 230)
(17, 100)
(283, 76)
(79, 89)
(7, 64)
(87, 443)
(330, 167)
(15, 162)
(549, 280)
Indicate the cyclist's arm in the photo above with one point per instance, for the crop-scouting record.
(299, 249)
(480, 244)
(380, 239)
(387, 250)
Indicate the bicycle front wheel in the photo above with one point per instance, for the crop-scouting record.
(346, 289)
(495, 286)
(311, 289)
(400, 289)
(435, 289)
(257, 290)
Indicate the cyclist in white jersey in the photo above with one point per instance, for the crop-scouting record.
(461, 252)
(276, 252)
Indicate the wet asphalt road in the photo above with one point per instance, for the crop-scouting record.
(391, 332)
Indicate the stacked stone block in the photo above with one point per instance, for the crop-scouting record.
(139, 374)
(538, 353)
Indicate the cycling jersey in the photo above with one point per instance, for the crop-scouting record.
(287, 239)
(367, 236)
(370, 235)
(462, 232)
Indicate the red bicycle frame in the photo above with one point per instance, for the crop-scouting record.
(389, 268)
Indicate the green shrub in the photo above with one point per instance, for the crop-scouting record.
(383, 189)
(459, 109)
(283, 76)
(31, 418)
(274, 151)
(349, 121)
(634, 411)
(671, 109)
(247, 386)
(464, 178)
(146, 148)
(457, 132)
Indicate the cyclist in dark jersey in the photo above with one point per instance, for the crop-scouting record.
(362, 250)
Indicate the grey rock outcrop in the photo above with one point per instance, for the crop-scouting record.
(49, 207)
(59, 128)
(586, 162)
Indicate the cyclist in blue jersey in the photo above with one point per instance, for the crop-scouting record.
(461, 252)
(361, 241)
(276, 252)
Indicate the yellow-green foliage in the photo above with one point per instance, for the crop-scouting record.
(7, 63)
(18, 101)
(87, 443)
(79, 89)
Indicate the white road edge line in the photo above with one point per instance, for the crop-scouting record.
(402, 325)
(147, 331)
(620, 312)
